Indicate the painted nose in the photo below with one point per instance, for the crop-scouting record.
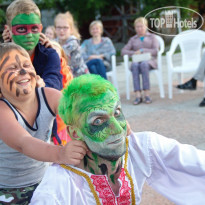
(115, 127)
(29, 35)
(22, 72)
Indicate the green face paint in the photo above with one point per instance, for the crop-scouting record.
(103, 127)
(29, 42)
(26, 19)
(26, 30)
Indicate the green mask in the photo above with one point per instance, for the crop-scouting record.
(26, 30)
(103, 127)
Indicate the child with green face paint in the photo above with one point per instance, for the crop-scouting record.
(27, 115)
(115, 169)
(26, 30)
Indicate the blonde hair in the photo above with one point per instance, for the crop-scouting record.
(53, 29)
(67, 16)
(141, 20)
(98, 23)
(55, 43)
(8, 47)
(20, 7)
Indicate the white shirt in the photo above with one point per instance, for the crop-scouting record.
(175, 170)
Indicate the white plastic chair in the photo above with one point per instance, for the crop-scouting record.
(113, 73)
(190, 43)
(158, 72)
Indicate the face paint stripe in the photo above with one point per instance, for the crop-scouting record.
(32, 74)
(103, 168)
(17, 92)
(18, 61)
(27, 29)
(10, 74)
(4, 61)
(11, 83)
(3, 75)
(88, 157)
(112, 177)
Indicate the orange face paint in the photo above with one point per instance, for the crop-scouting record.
(17, 74)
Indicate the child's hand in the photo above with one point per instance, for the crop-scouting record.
(6, 34)
(39, 82)
(45, 41)
(73, 152)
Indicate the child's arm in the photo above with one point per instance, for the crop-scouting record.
(16, 137)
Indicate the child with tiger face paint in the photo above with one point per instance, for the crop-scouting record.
(17, 75)
(27, 115)
(23, 19)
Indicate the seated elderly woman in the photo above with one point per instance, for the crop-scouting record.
(97, 50)
(142, 42)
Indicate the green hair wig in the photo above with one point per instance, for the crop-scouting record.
(80, 93)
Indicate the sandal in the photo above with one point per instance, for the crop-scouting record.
(137, 101)
(147, 100)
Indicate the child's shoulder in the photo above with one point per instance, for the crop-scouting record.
(52, 96)
(49, 90)
(45, 50)
(6, 108)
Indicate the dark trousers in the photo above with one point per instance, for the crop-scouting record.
(96, 66)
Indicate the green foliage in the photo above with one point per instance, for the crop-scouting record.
(149, 5)
(2, 18)
(85, 10)
(2, 13)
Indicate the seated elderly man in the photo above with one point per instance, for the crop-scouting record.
(117, 166)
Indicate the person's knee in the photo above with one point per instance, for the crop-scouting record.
(134, 66)
(144, 66)
(99, 62)
(92, 67)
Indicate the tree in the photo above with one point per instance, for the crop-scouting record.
(86, 10)
(2, 16)
(83, 10)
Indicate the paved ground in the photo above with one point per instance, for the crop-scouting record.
(180, 118)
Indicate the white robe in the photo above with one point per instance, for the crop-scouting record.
(175, 170)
